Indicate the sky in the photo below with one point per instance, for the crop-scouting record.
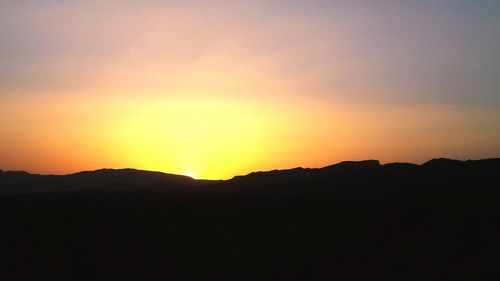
(215, 89)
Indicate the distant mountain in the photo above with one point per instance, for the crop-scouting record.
(356, 220)
(12, 182)
(344, 177)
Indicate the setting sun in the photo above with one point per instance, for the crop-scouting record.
(190, 174)
(193, 87)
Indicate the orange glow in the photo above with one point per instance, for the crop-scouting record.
(220, 138)
(215, 91)
(208, 138)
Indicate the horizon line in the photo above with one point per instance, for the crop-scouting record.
(258, 171)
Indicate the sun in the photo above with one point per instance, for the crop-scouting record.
(190, 174)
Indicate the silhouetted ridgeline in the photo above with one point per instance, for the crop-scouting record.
(349, 221)
(346, 177)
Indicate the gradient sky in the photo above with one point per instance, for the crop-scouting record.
(219, 88)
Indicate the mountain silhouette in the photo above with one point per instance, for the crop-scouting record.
(355, 174)
(103, 179)
(355, 220)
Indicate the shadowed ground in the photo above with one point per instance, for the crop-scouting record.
(350, 221)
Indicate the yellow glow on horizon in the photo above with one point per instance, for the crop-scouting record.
(218, 138)
(209, 138)
(224, 90)
(190, 174)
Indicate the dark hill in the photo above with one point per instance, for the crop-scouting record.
(343, 177)
(349, 221)
(103, 179)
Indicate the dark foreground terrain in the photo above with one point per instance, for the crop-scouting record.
(350, 221)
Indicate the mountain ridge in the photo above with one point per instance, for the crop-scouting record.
(357, 220)
(284, 181)
(343, 164)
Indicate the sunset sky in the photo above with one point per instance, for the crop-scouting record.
(214, 89)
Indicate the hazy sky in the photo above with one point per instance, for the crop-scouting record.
(219, 88)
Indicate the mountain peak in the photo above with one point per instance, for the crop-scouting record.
(436, 162)
(363, 164)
